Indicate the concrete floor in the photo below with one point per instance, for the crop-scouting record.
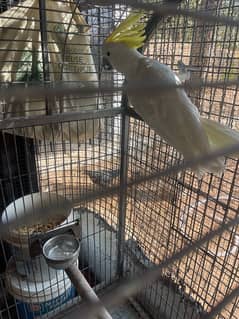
(125, 312)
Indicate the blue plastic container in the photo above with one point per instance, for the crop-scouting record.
(35, 309)
(38, 298)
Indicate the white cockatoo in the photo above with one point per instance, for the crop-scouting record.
(170, 113)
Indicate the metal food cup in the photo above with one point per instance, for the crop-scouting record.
(61, 251)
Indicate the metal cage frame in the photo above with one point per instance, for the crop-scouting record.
(180, 245)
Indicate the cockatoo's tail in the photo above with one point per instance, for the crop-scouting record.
(170, 113)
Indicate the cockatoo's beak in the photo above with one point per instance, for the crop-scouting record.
(106, 64)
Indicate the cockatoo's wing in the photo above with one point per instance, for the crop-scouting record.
(171, 113)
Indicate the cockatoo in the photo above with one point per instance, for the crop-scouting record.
(171, 114)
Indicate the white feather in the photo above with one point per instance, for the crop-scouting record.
(171, 113)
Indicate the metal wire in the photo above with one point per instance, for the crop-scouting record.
(167, 10)
(186, 228)
(64, 90)
(222, 304)
(126, 290)
(91, 196)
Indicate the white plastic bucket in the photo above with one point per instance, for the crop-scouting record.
(35, 269)
(38, 298)
(20, 237)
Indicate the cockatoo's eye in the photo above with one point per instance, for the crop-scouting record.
(106, 64)
(108, 53)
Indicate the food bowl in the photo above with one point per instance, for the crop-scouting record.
(46, 211)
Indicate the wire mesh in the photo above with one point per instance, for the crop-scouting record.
(157, 218)
(160, 230)
(66, 169)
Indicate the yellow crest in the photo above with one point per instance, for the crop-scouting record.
(131, 32)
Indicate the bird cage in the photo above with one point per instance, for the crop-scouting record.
(152, 234)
